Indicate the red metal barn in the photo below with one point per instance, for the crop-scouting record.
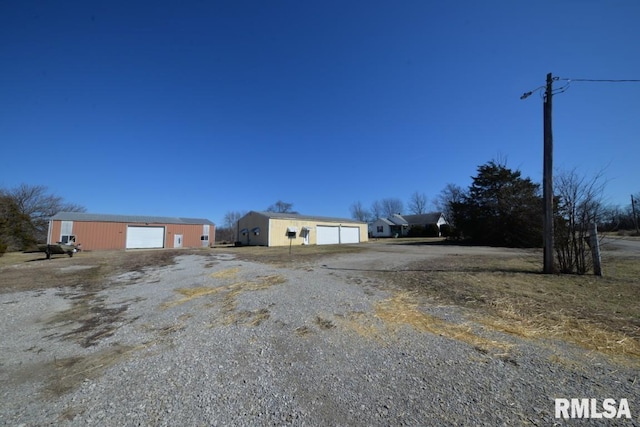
(101, 232)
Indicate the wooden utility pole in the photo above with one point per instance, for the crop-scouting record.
(594, 244)
(547, 178)
(635, 218)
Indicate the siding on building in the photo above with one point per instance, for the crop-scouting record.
(95, 232)
(273, 228)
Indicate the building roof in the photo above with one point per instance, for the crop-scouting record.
(428, 218)
(397, 219)
(384, 220)
(82, 216)
(295, 216)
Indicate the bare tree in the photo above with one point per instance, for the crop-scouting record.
(358, 212)
(231, 218)
(35, 202)
(418, 203)
(579, 205)
(391, 206)
(376, 210)
(450, 194)
(281, 207)
(228, 231)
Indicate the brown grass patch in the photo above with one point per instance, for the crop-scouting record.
(324, 323)
(300, 254)
(229, 273)
(64, 375)
(230, 302)
(509, 294)
(230, 294)
(303, 331)
(364, 324)
(189, 294)
(402, 309)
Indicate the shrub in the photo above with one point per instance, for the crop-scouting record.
(416, 231)
(432, 230)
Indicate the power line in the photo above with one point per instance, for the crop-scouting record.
(566, 86)
(599, 80)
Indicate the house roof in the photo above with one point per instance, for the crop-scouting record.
(397, 219)
(293, 216)
(428, 218)
(82, 216)
(384, 220)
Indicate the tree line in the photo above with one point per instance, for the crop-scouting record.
(503, 208)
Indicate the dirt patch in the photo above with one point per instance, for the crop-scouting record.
(94, 320)
(90, 318)
(62, 375)
(27, 272)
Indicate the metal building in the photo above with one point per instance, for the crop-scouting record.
(103, 232)
(283, 229)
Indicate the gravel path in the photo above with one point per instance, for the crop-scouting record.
(220, 341)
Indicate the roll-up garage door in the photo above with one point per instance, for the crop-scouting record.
(145, 237)
(327, 235)
(350, 234)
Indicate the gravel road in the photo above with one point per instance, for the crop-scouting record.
(215, 340)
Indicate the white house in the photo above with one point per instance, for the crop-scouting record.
(399, 225)
(393, 226)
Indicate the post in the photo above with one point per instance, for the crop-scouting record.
(547, 179)
(594, 244)
(635, 217)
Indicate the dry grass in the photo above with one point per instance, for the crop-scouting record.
(64, 375)
(230, 294)
(299, 254)
(363, 324)
(403, 309)
(510, 295)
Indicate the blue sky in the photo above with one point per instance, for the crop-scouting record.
(198, 108)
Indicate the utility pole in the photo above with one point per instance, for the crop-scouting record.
(547, 178)
(635, 217)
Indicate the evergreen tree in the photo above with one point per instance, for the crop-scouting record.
(500, 209)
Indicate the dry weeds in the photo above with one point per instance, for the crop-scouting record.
(282, 257)
(403, 309)
(64, 375)
(509, 294)
(229, 299)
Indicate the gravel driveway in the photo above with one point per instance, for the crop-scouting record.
(215, 340)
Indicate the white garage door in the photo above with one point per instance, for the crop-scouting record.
(327, 235)
(145, 237)
(350, 235)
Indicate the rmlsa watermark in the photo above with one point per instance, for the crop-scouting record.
(592, 408)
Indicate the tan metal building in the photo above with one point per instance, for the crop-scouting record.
(283, 229)
(102, 232)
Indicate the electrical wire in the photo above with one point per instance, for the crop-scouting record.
(566, 86)
(600, 80)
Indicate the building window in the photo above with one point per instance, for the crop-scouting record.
(380, 229)
(204, 237)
